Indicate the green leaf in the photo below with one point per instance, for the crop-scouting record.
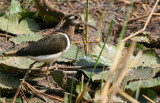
(143, 84)
(8, 84)
(100, 76)
(12, 25)
(70, 55)
(20, 62)
(140, 73)
(86, 60)
(8, 81)
(148, 58)
(14, 7)
(26, 37)
(107, 55)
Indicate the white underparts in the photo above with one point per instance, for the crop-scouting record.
(46, 58)
(52, 57)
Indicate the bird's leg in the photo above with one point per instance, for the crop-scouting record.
(20, 86)
(46, 74)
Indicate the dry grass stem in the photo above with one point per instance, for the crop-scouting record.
(148, 99)
(103, 95)
(156, 14)
(112, 91)
(85, 90)
(149, 18)
(41, 94)
(122, 93)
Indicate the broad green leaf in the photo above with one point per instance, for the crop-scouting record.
(148, 58)
(98, 77)
(8, 84)
(134, 74)
(143, 84)
(13, 25)
(8, 81)
(107, 54)
(26, 37)
(14, 7)
(70, 55)
(140, 73)
(20, 62)
(86, 60)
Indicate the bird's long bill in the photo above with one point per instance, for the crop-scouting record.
(83, 22)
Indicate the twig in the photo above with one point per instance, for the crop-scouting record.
(125, 39)
(127, 96)
(4, 35)
(10, 52)
(157, 14)
(148, 99)
(43, 94)
(24, 96)
(20, 86)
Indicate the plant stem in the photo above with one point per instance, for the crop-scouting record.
(86, 27)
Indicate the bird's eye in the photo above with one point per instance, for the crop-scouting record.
(77, 17)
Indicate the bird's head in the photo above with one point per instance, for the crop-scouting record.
(73, 19)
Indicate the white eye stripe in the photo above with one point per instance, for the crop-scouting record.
(72, 17)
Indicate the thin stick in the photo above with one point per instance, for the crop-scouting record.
(20, 86)
(125, 39)
(41, 93)
(24, 96)
(148, 99)
(121, 92)
(157, 14)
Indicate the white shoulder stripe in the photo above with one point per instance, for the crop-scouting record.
(68, 41)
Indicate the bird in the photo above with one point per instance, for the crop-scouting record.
(51, 47)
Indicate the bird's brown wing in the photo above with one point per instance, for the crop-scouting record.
(48, 45)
